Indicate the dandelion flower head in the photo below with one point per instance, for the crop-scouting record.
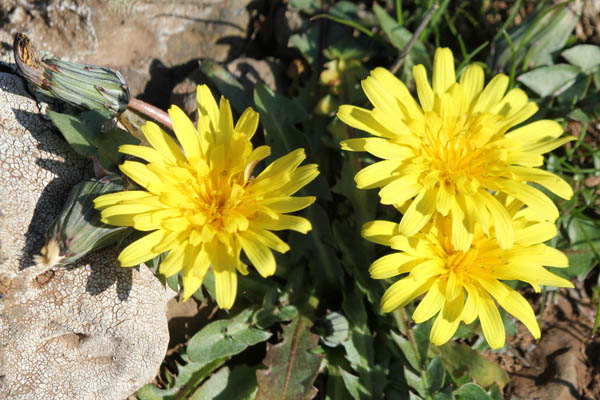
(201, 204)
(460, 286)
(450, 151)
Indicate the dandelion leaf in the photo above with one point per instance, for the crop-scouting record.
(292, 365)
(225, 338)
(459, 359)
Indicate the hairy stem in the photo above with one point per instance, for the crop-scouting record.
(153, 112)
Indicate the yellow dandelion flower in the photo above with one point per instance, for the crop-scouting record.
(201, 203)
(448, 153)
(464, 285)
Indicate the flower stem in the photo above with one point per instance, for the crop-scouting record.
(402, 321)
(413, 40)
(149, 110)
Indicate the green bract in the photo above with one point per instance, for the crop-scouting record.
(77, 230)
(84, 86)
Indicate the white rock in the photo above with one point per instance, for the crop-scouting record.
(93, 330)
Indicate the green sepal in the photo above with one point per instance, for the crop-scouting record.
(78, 229)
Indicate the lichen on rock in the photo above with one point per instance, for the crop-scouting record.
(92, 330)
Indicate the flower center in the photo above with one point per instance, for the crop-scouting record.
(223, 202)
(458, 151)
(479, 261)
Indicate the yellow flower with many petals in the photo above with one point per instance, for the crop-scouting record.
(448, 153)
(201, 203)
(464, 285)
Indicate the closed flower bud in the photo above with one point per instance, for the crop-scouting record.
(78, 230)
(84, 86)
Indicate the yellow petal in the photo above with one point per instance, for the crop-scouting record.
(478, 212)
(362, 119)
(443, 70)
(491, 322)
(257, 155)
(492, 94)
(124, 220)
(356, 144)
(162, 142)
(462, 231)
(408, 105)
(379, 147)
(430, 305)
(471, 81)
(291, 222)
(225, 119)
(144, 152)
(536, 233)
(502, 221)
(392, 265)
(469, 312)
(247, 123)
(126, 209)
(224, 259)
(534, 274)
(176, 224)
(454, 287)
(186, 133)
(169, 240)
(400, 189)
(539, 254)
(143, 222)
(259, 255)
(288, 204)
(393, 123)
(154, 219)
(387, 150)
(514, 101)
(140, 173)
(537, 201)
(196, 265)
(106, 200)
(225, 287)
(288, 162)
(141, 250)
(525, 159)
(424, 91)
(379, 231)
(442, 330)
(411, 246)
(452, 309)
(379, 95)
(298, 179)
(514, 304)
(543, 147)
(208, 112)
(173, 262)
(271, 240)
(377, 174)
(177, 199)
(402, 292)
(536, 131)
(444, 199)
(522, 115)
(419, 213)
(547, 179)
(428, 269)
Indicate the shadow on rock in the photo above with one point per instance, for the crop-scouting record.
(162, 81)
(105, 274)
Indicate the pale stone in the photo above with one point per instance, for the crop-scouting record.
(92, 330)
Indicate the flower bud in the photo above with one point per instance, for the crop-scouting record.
(84, 86)
(77, 230)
